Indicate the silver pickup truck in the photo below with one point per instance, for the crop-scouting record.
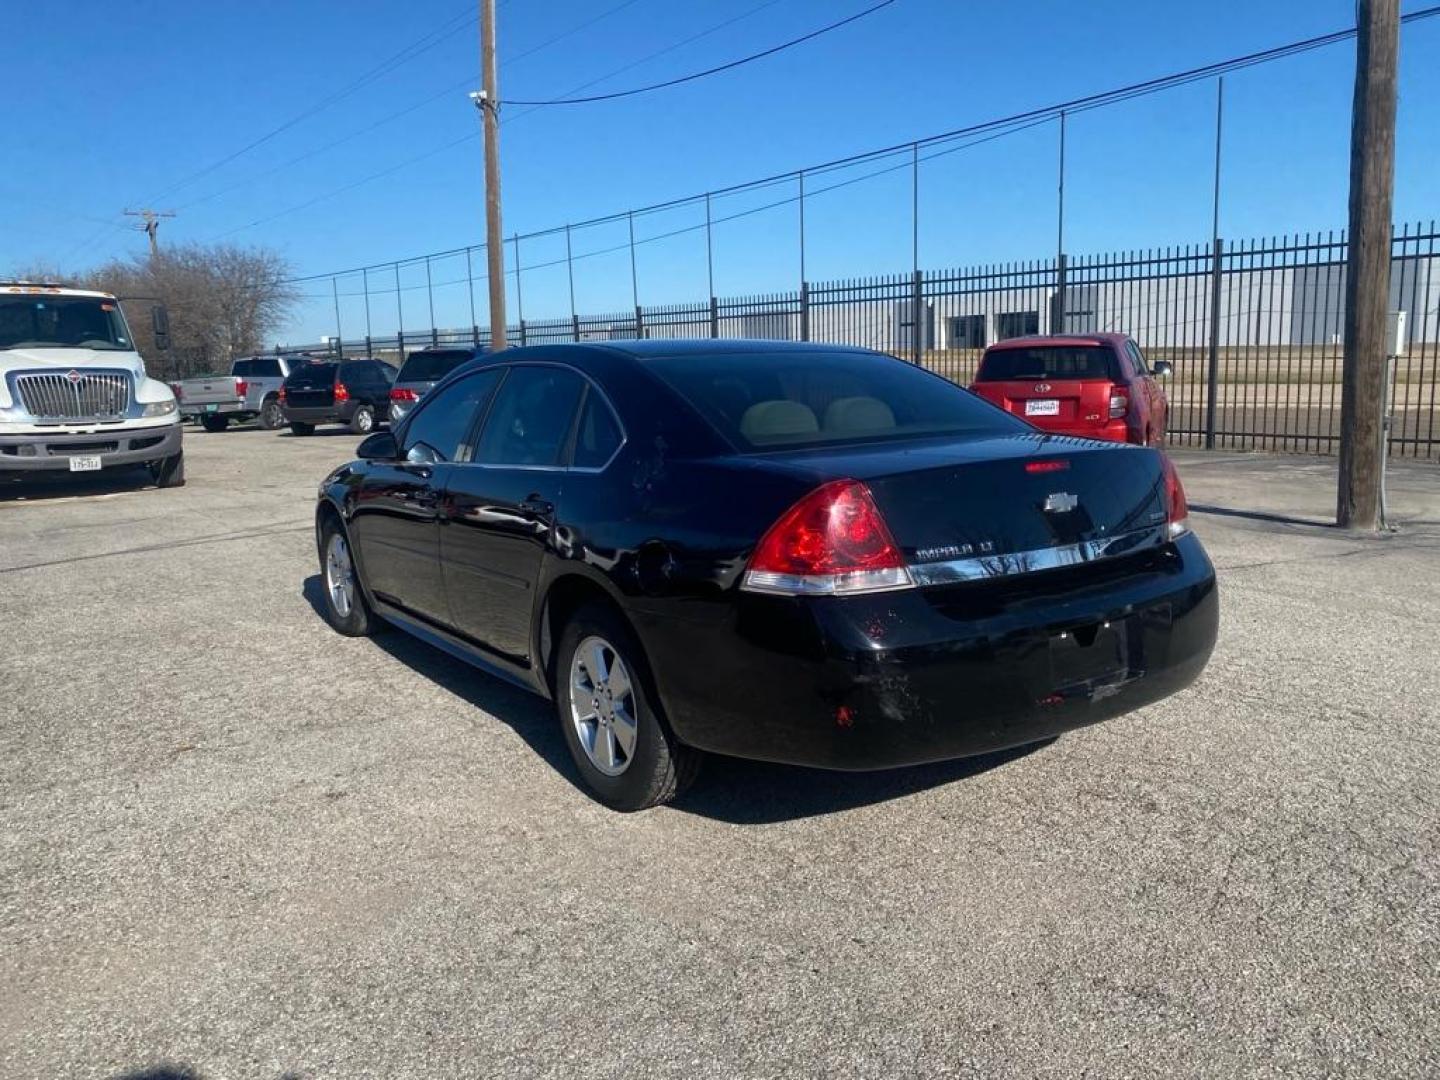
(252, 389)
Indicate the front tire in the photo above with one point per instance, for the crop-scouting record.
(626, 753)
(213, 423)
(363, 422)
(169, 472)
(344, 599)
(271, 415)
(298, 428)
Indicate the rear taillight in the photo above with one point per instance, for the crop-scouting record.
(1177, 511)
(240, 387)
(280, 395)
(341, 394)
(402, 393)
(833, 541)
(1119, 402)
(178, 391)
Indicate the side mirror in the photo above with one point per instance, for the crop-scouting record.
(379, 447)
(1162, 367)
(160, 324)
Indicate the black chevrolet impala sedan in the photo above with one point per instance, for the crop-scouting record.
(799, 553)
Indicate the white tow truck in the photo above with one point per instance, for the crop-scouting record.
(74, 395)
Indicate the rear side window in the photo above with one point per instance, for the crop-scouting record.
(531, 417)
(263, 367)
(598, 436)
(432, 365)
(312, 375)
(767, 400)
(1049, 362)
(437, 431)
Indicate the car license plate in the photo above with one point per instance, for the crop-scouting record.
(1090, 655)
(214, 406)
(85, 463)
(1042, 407)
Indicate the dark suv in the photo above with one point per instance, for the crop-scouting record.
(351, 392)
(422, 370)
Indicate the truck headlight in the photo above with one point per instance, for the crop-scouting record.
(159, 408)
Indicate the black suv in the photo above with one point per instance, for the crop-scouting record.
(352, 392)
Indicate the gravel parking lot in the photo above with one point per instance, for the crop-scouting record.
(236, 842)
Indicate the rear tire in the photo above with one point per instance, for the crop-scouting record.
(363, 422)
(599, 656)
(213, 423)
(271, 415)
(342, 596)
(302, 429)
(169, 472)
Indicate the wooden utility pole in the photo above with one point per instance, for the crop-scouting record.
(1367, 268)
(489, 103)
(151, 225)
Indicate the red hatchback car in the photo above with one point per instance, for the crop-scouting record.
(1094, 385)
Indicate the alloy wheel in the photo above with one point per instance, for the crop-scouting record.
(603, 706)
(339, 576)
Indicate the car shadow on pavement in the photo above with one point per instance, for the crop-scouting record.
(728, 789)
(18, 489)
(760, 793)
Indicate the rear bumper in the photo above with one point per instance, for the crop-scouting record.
(925, 675)
(224, 408)
(121, 446)
(323, 414)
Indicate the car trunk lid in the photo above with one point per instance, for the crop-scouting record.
(312, 387)
(1005, 503)
(1056, 387)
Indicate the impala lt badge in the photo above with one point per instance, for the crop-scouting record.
(1060, 502)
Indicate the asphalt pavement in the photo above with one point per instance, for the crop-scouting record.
(236, 844)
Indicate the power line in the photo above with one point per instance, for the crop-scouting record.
(448, 91)
(1017, 121)
(709, 71)
(472, 135)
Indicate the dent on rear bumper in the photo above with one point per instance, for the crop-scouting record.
(900, 679)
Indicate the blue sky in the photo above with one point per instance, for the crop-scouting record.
(127, 111)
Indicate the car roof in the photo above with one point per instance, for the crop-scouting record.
(1079, 340)
(649, 348)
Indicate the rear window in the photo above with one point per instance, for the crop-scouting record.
(1049, 362)
(761, 401)
(432, 365)
(312, 375)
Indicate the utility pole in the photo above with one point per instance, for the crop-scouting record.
(150, 225)
(487, 100)
(1367, 264)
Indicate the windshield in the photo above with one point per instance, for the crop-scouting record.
(762, 401)
(28, 321)
(1048, 362)
(432, 365)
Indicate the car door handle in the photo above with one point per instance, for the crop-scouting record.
(538, 506)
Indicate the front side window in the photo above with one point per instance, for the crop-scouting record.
(761, 401)
(530, 420)
(437, 430)
(28, 321)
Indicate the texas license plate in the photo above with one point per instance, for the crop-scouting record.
(214, 406)
(1042, 407)
(85, 463)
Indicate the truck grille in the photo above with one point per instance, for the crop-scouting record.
(74, 395)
